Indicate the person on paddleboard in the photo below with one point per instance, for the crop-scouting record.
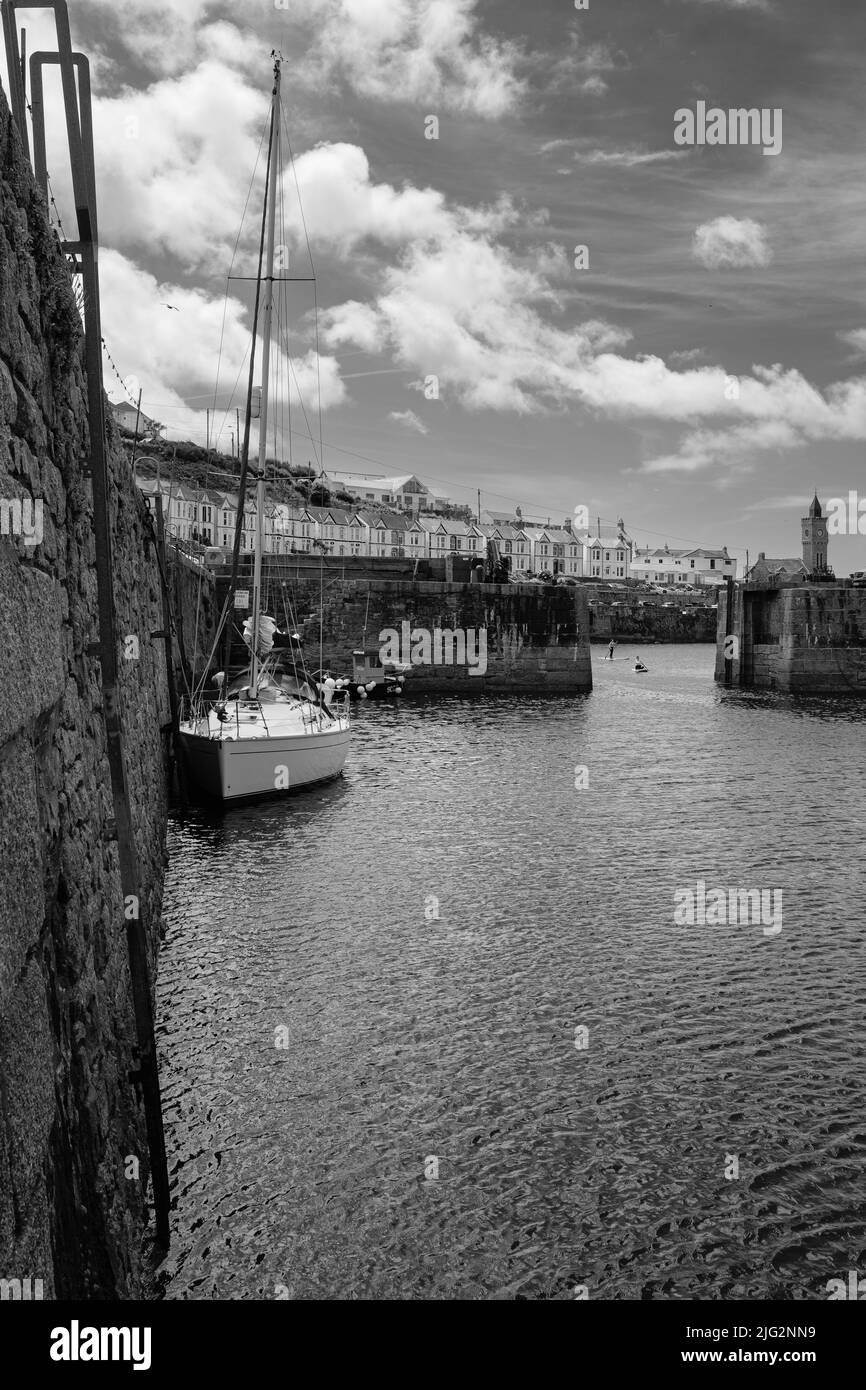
(610, 650)
(638, 665)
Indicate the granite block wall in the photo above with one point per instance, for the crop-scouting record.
(70, 1121)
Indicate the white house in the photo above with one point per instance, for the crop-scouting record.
(699, 566)
(606, 557)
(405, 492)
(127, 415)
(512, 542)
(555, 549)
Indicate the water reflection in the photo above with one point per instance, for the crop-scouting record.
(430, 931)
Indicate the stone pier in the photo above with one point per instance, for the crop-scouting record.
(802, 638)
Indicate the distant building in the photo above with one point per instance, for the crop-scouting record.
(555, 549)
(606, 557)
(126, 414)
(815, 537)
(814, 532)
(405, 492)
(764, 571)
(696, 566)
(512, 542)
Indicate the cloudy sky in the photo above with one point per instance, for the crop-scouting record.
(698, 377)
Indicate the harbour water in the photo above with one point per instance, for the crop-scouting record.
(370, 999)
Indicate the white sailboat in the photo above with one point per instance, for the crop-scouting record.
(263, 735)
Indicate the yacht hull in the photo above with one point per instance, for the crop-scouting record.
(236, 769)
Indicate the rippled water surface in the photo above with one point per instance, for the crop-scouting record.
(412, 1038)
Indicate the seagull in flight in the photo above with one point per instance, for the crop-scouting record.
(170, 306)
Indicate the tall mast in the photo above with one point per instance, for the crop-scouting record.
(266, 369)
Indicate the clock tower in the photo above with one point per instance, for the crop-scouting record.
(815, 537)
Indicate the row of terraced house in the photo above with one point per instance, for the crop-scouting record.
(209, 517)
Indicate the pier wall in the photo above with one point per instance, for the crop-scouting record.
(808, 639)
(537, 637)
(73, 1159)
(648, 620)
(194, 605)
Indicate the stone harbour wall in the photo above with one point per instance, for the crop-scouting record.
(73, 1160)
(807, 639)
(648, 620)
(537, 638)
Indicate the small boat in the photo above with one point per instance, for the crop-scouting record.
(267, 732)
(379, 679)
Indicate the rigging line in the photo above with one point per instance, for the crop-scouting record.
(201, 569)
(288, 355)
(321, 453)
(318, 375)
(283, 301)
(242, 482)
(309, 436)
(297, 189)
(289, 417)
(232, 262)
(228, 408)
(291, 370)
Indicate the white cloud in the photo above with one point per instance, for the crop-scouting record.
(731, 242)
(686, 356)
(173, 163)
(409, 419)
(628, 159)
(777, 410)
(449, 297)
(165, 36)
(427, 52)
(433, 52)
(458, 304)
(736, 4)
(856, 339)
(776, 504)
(353, 324)
(580, 68)
(173, 356)
(342, 205)
(702, 449)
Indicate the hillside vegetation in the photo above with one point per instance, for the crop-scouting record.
(192, 466)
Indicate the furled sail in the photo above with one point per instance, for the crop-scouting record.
(267, 628)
